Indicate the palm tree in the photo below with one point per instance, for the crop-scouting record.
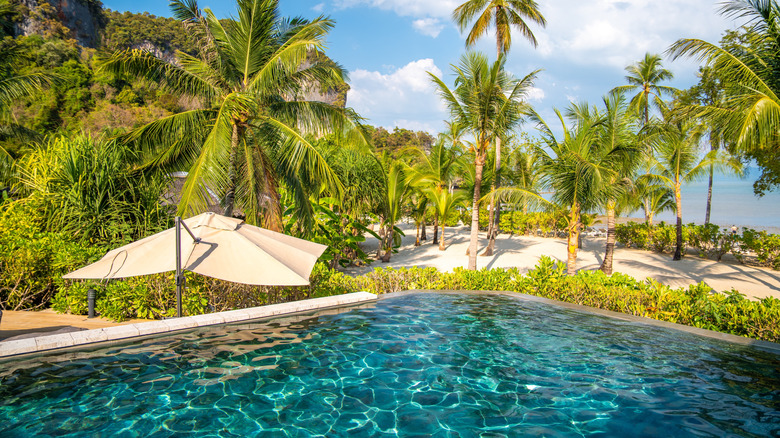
(453, 136)
(677, 160)
(503, 15)
(445, 203)
(575, 170)
(644, 77)
(619, 147)
(487, 101)
(652, 198)
(437, 167)
(748, 66)
(398, 186)
(250, 134)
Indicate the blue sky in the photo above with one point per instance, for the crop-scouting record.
(388, 46)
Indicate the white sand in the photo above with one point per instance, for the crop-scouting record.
(523, 252)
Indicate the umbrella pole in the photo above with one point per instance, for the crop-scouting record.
(179, 279)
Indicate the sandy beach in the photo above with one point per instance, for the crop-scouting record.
(523, 252)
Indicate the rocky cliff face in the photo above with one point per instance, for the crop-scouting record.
(84, 18)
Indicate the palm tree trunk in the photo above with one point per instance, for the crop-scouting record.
(678, 201)
(388, 244)
(609, 251)
(442, 247)
(571, 244)
(417, 236)
(423, 236)
(479, 163)
(709, 198)
(495, 205)
(230, 195)
(436, 228)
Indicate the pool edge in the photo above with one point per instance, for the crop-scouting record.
(124, 333)
(741, 340)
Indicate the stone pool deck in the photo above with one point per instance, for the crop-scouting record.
(45, 343)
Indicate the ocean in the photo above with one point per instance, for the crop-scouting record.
(733, 203)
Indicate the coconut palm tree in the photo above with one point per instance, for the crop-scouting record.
(747, 63)
(503, 15)
(619, 146)
(652, 197)
(644, 78)
(398, 184)
(445, 203)
(437, 168)
(249, 135)
(575, 169)
(677, 159)
(487, 101)
(454, 136)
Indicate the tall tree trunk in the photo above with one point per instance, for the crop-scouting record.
(442, 247)
(436, 228)
(479, 163)
(388, 243)
(230, 195)
(609, 251)
(678, 201)
(709, 197)
(417, 235)
(495, 205)
(423, 236)
(571, 244)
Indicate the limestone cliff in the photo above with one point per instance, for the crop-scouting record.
(81, 20)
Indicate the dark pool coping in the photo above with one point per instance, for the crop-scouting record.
(48, 344)
(741, 340)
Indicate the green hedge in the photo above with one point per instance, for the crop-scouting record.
(751, 246)
(697, 305)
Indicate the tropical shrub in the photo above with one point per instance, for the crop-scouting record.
(710, 241)
(31, 259)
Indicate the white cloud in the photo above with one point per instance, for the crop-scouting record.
(319, 7)
(428, 26)
(618, 33)
(405, 97)
(535, 94)
(407, 8)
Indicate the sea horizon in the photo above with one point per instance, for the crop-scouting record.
(733, 203)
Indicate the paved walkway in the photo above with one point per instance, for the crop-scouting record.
(19, 324)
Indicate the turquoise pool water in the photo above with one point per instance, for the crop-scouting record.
(411, 365)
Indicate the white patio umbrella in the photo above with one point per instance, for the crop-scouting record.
(215, 246)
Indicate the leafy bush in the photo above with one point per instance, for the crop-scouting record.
(755, 247)
(32, 260)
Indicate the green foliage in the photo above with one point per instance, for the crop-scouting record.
(754, 247)
(31, 259)
(126, 29)
(89, 189)
(549, 224)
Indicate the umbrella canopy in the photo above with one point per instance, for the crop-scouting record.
(222, 247)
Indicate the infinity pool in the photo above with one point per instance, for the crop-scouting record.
(443, 365)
